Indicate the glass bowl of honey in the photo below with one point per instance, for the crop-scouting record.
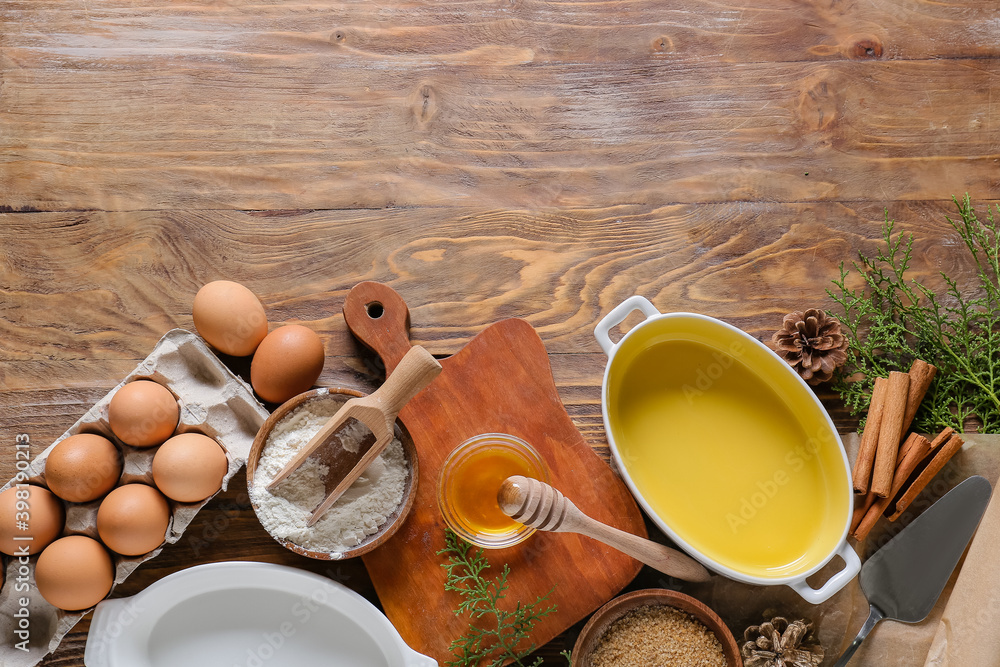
(469, 483)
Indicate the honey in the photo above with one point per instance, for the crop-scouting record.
(737, 462)
(470, 481)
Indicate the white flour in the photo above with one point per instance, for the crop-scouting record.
(356, 515)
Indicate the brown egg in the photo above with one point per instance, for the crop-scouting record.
(83, 467)
(189, 467)
(143, 413)
(132, 520)
(74, 573)
(287, 363)
(30, 511)
(229, 317)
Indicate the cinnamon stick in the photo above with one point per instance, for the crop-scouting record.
(869, 439)
(860, 510)
(862, 507)
(921, 375)
(942, 437)
(914, 455)
(938, 440)
(911, 441)
(944, 454)
(890, 432)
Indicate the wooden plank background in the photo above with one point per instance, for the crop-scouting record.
(520, 158)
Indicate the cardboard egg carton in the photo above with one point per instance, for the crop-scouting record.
(212, 401)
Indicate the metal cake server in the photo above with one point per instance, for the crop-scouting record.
(904, 579)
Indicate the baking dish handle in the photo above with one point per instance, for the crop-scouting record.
(617, 316)
(104, 631)
(414, 659)
(835, 583)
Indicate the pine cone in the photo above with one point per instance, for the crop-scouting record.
(812, 344)
(778, 643)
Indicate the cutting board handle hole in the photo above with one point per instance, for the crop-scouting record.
(374, 309)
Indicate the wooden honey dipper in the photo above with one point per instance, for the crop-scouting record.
(538, 505)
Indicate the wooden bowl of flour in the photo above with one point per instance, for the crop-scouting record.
(386, 528)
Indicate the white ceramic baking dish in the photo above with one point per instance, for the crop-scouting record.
(772, 382)
(247, 614)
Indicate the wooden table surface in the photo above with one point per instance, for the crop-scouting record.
(523, 158)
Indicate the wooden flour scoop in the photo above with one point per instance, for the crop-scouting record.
(540, 506)
(378, 412)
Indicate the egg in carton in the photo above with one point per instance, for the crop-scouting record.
(212, 402)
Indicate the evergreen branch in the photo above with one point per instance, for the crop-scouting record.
(893, 320)
(501, 636)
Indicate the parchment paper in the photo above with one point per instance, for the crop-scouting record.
(969, 630)
(894, 643)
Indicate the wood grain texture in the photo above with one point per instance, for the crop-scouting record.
(128, 277)
(324, 105)
(523, 158)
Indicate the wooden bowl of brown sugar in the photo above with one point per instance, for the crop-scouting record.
(652, 627)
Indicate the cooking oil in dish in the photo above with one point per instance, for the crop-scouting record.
(470, 481)
(742, 474)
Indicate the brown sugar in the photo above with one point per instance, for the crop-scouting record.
(658, 636)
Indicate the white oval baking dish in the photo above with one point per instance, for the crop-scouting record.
(247, 614)
(825, 444)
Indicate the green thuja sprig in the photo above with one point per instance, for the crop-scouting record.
(495, 635)
(893, 320)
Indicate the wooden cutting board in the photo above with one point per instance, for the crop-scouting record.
(500, 382)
